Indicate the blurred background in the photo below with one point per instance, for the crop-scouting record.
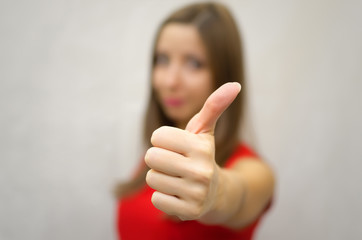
(73, 87)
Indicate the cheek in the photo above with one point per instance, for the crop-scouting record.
(202, 88)
(156, 79)
(205, 86)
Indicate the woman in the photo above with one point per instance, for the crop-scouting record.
(197, 180)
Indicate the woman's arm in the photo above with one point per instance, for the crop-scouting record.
(243, 192)
(188, 182)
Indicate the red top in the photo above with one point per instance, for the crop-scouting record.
(139, 219)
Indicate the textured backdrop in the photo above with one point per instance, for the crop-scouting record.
(73, 87)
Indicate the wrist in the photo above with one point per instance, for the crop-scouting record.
(227, 201)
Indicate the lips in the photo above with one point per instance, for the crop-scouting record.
(173, 102)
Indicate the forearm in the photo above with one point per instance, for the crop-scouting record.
(242, 195)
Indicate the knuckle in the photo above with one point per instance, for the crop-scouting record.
(158, 133)
(149, 156)
(208, 172)
(194, 212)
(202, 174)
(205, 148)
(154, 137)
(212, 106)
(149, 177)
(154, 199)
(159, 203)
(199, 194)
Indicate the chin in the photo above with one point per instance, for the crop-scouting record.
(177, 116)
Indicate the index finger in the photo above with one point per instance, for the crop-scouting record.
(171, 138)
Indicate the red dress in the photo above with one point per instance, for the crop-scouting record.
(139, 219)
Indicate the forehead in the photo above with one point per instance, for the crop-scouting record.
(180, 38)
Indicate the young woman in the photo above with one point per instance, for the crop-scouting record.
(197, 180)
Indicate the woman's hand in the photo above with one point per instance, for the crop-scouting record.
(183, 172)
(183, 168)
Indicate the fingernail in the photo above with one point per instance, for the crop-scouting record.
(238, 84)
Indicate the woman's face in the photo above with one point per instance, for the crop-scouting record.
(181, 76)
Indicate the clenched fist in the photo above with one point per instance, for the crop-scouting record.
(183, 168)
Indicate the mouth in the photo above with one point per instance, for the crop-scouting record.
(173, 102)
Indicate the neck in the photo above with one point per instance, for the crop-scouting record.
(181, 125)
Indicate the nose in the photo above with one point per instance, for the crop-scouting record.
(173, 75)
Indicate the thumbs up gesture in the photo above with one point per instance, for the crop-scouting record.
(183, 168)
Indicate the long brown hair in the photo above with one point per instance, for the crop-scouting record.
(220, 35)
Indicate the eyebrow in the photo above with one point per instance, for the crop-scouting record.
(188, 54)
(197, 56)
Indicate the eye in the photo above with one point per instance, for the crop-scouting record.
(161, 59)
(194, 62)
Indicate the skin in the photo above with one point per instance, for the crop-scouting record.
(188, 182)
(181, 76)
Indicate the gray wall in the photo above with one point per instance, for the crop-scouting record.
(73, 86)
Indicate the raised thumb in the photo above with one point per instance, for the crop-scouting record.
(215, 105)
